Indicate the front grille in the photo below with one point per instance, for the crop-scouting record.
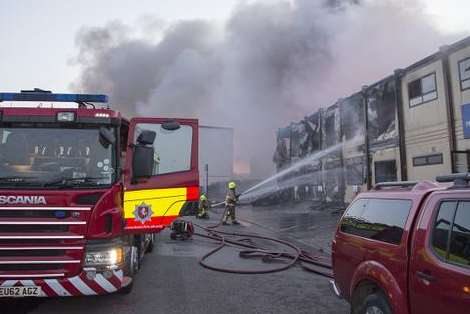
(34, 214)
(89, 199)
(33, 228)
(26, 242)
(32, 252)
(42, 241)
(45, 267)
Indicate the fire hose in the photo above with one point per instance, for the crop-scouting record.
(308, 262)
(315, 264)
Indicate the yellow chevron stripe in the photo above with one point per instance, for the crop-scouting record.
(163, 202)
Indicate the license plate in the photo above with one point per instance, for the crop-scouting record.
(19, 292)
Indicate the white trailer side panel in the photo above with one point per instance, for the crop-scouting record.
(216, 151)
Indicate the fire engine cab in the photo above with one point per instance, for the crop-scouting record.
(83, 190)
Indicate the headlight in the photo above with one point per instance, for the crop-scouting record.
(66, 116)
(108, 257)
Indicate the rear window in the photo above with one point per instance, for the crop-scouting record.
(377, 219)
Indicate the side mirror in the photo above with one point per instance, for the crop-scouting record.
(143, 162)
(146, 137)
(107, 137)
(171, 125)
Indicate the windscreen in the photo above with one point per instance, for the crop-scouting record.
(54, 157)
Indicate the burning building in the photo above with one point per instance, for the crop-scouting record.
(412, 125)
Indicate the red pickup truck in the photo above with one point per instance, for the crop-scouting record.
(404, 248)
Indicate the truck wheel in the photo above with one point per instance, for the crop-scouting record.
(139, 244)
(151, 245)
(127, 289)
(375, 303)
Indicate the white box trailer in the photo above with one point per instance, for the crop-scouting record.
(215, 154)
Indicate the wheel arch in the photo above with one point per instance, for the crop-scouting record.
(371, 277)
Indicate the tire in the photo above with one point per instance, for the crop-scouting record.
(132, 268)
(375, 303)
(127, 289)
(139, 244)
(151, 245)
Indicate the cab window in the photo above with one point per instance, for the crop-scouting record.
(377, 219)
(441, 230)
(172, 147)
(451, 233)
(459, 251)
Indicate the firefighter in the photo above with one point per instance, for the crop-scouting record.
(203, 209)
(230, 203)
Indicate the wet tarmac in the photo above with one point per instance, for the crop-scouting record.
(172, 281)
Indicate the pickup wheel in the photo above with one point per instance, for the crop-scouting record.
(375, 303)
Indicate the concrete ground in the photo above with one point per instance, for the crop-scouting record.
(172, 281)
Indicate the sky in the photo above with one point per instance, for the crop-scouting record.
(38, 37)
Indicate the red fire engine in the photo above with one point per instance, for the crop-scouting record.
(83, 190)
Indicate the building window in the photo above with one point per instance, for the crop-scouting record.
(464, 71)
(385, 171)
(435, 159)
(422, 90)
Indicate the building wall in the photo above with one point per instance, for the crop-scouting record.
(425, 124)
(460, 97)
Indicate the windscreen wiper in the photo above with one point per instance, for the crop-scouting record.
(73, 182)
(17, 180)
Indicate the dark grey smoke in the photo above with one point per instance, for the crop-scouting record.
(268, 64)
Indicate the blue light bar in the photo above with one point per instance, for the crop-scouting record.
(78, 98)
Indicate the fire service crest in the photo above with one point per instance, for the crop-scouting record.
(143, 213)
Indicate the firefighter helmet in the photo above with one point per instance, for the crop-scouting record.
(232, 185)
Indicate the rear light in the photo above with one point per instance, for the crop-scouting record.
(192, 193)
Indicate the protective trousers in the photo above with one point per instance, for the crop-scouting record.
(229, 212)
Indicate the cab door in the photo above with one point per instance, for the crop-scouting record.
(440, 262)
(151, 203)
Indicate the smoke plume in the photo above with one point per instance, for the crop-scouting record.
(265, 66)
